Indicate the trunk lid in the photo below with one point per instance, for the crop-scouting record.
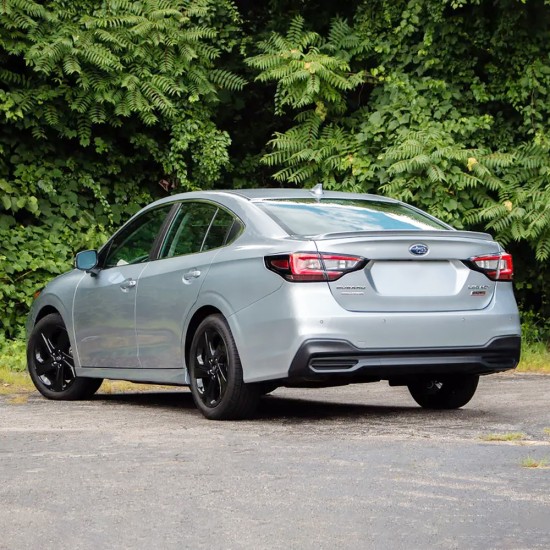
(396, 280)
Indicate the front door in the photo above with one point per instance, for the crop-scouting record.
(104, 325)
(104, 304)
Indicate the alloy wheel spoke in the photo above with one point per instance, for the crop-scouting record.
(45, 367)
(57, 384)
(200, 365)
(208, 349)
(222, 382)
(222, 371)
(68, 360)
(218, 351)
(47, 343)
(200, 370)
(211, 392)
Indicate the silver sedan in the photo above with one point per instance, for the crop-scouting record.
(235, 293)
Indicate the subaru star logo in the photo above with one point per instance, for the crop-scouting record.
(418, 249)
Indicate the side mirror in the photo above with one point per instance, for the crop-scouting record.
(86, 260)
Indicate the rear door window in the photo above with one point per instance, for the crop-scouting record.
(197, 227)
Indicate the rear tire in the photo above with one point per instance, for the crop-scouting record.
(50, 362)
(450, 392)
(216, 374)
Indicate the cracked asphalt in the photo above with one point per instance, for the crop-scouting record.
(358, 466)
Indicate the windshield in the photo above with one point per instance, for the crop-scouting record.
(311, 217)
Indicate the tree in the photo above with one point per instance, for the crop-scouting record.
(99, 102)
(442, 104)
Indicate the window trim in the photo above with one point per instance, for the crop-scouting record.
(157, 244)
(208, 231)
(178, 205)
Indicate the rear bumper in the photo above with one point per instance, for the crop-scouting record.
(271, 333)
(339, 361)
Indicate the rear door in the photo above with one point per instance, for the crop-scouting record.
(413, 271)
(169, 286)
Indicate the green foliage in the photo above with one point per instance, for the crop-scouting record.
(521, 211)
(41, 228)
(12, 355)
(313, 72)
(429, 167)
(535, 329)
(445, 106)
(312, 152)
(307, 68)
(99, 102)
(137, 64)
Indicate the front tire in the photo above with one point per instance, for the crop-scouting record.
(50, 362)
(216, 373)
(450, 392)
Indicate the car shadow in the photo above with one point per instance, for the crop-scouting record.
(167, 399)
(277, 408)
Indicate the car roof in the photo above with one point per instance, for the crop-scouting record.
(283, 193)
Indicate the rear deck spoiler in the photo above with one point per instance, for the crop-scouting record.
(416, 234)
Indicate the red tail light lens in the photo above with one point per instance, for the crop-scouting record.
(313, 266)
(498, 267)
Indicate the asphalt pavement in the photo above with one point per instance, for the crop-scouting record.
(359, 466)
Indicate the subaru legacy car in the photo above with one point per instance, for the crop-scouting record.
(235, 293)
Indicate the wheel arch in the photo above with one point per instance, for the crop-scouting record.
(197, 318)
(46, 310)
(47, 303)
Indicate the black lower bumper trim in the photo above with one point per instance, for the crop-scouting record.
(339, 360)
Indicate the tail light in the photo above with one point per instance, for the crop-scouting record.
(498, 267)
(313, 266)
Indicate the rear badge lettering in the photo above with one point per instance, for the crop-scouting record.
(351, 290)
(347, 287)
(478, 290)
(419, 249)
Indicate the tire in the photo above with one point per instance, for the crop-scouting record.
(216, 373)
(450, 392)
(50, 362)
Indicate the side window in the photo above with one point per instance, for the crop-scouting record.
(133, 244)
(220, 229)
(196, 228)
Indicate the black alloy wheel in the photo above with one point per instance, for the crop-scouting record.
(211, 367)
(450, 392)
(51, 365)
(216, 373)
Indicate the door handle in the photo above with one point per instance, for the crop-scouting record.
(128, 284)
(192, 274)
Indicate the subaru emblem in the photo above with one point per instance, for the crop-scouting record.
(418, 249)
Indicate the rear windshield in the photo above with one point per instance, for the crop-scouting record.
(311, 217)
